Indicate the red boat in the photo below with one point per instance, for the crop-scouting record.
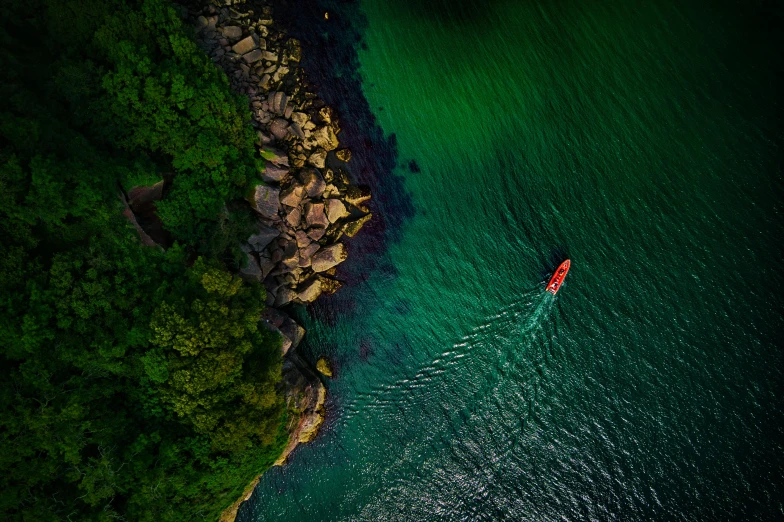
(558, 277)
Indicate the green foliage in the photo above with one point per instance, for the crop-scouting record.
(131, 385)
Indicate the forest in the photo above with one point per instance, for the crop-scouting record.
(135, 382)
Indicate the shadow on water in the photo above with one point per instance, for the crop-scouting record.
(331, 65)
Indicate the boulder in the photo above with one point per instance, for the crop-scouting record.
(252, 56)
(326, 114)
(262, 238)
(305, 254)
(343, 154)
(231, 31)
(329, 286)
(142, 195)
(279, 128)
(273, 172)
(316, 233)
(292, 196)
(295, 129)
(313, 182)
(275, 317)
(251, 270)
(323, 367)
(335, 209)
(318, 159)
(310, 291)
(266, 265)
(350, 228)
(328, 257)
(275, 156)
(294, 217)
(245, 45)
(302, 239)
(325, 138)
(270, 56)
(357, 195)
(314, 215)
(265, 201)
(285, 296)
(293, 331)
(300, 118)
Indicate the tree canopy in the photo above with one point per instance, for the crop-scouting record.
(134, 382)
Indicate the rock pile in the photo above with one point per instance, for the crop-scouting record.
(304, 208)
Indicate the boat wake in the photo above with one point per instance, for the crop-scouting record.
(509, 347)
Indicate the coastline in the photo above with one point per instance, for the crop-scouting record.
(306, 203)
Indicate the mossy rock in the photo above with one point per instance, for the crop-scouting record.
(323, 367)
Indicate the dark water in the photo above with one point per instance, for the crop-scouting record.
(641, 141)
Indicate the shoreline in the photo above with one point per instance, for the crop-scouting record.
(306, 203)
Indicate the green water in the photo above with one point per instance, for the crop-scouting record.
(642, 142)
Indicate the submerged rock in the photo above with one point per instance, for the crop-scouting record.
(322, 365)
(350, 228)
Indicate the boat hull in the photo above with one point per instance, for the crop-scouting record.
(557, 280)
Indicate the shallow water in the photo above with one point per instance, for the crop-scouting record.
(644, 143)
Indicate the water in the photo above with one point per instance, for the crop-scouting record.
(642, 142)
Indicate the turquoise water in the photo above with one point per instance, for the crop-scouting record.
(642, 142)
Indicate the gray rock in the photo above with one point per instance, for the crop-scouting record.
(357, 195)
(335, 210)
(274, 317)
(279, 128)
(350, 228)
(265, 201)
(293, 217)
(275, 156)
(293, 331)
(231, 31)
(273, 172)
(263, 237)
(328, 257)
(251, 270)
(313, 182)
(305, 254)
(245, 45)
(288, 111)
(270, 56)
(201, 23)
(314, 215)
(266, 265)
(292, 196)
(302, 240)
(264, 82)
(316, 233)
(329, 286)
(252, 56)
(318, 159)
(275, 100)
(310, 291)
(300, 118)
(295, 129)
(285, 296)
(325, 138)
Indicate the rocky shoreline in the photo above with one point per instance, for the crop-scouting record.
(306, 204)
